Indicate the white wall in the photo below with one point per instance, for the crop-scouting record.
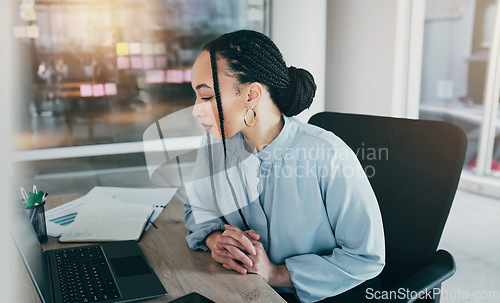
(298, 28)
(360, 51)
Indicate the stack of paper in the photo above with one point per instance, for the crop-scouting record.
(106, 219)
(60, 218)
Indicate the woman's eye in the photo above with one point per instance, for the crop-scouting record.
(206, 99)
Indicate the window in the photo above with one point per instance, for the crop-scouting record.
(96, 73)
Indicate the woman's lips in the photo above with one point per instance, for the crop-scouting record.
(207, 127)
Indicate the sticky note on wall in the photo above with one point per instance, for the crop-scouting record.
(136, 62)
(174, 76)
(161, 62)
(85, 90)
(28, 13)
(155, 76)
(160, 49)
(135, 48)
(187, 75)
(147, 48)
(98, 90)
(122, 48)
(32, 31)
(148, 62)
(122, 62)
(110, 89)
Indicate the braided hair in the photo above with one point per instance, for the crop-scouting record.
(253, 57)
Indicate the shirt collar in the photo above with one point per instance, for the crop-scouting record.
(280, 145)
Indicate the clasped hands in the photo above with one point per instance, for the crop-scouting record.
(242, 252)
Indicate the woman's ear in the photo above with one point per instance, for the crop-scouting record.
(254, 93)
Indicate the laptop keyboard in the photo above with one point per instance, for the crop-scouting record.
(84, 275)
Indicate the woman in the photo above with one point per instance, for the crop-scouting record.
(280, 198)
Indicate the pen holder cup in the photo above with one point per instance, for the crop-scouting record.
(39, 223)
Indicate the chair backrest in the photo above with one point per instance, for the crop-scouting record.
(414, 167)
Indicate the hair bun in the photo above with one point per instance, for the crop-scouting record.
(292, 74)
(299, 93)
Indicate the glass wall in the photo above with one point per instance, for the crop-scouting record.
(95, 74)
(459, 68)
(102, 71)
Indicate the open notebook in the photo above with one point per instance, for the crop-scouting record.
(107, 219)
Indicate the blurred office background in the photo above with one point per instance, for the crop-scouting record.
(90, 76)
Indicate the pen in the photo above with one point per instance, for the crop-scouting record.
(24, 194)
(31, 201)
(39, 197)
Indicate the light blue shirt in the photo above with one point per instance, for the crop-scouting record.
(306, 195)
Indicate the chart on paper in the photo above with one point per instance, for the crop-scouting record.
(65, 220)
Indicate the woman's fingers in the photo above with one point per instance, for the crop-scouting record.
(233, 228)
(253, 234)
(234, 244)
(232, 264)
(250, 232)
(258, 245)
(222, 240)
(218, 258)
(241, 238)
(230, 268)
(234, 253)
(226, 259)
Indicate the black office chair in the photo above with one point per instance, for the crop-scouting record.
(414, 167)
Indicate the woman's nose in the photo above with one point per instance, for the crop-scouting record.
(197, 109)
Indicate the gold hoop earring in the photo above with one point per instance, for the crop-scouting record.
(254, 117)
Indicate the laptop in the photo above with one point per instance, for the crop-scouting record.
(107, 272)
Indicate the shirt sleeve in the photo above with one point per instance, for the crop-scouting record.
(200, 214)
(197, 232)
(356, 222)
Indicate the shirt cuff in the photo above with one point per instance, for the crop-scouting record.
(196, 239)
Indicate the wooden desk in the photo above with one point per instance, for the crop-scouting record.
(180, 269)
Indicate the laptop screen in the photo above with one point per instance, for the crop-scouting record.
(29, 247)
